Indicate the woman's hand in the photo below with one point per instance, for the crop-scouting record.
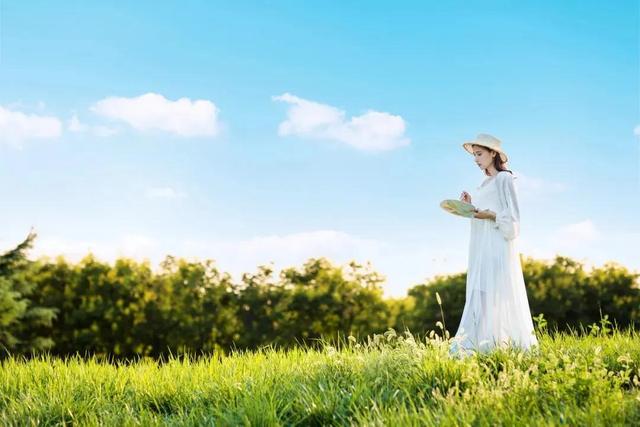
(465, 197)
(485, 214)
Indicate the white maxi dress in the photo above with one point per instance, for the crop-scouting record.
(496, 311)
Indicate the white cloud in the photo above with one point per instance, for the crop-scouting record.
(532, 189)
(286, 250)
(132, 245)
(16, 126)
(152, 111)
(636, 131)
(234, 256)
(136, 245)
(579, 232)
(166, 193)
(76, 126)
(71, 249)
(371, 131)
(580, 240)
(531, 184)
(241, 255)
(21, 105)
(584, 241)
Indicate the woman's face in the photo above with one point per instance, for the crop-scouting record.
(482, 156)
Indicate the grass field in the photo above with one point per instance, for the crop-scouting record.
(391, 379)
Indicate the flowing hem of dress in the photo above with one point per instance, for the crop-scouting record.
(488, 323)
(461, 346)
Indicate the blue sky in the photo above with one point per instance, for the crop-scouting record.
(256, 132)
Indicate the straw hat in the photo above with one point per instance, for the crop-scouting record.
(488, 141)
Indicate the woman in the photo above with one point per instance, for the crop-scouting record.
(496, 311)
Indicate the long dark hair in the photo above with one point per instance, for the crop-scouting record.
(497, 161)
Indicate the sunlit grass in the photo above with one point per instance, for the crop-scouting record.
(390, 379)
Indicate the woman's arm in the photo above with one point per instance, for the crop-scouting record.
(507, 220)
(485, 214)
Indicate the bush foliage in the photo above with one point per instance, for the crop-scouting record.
(126, 308)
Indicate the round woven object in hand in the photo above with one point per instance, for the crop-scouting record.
(458, 207)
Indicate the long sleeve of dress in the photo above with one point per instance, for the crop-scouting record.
(508, 218)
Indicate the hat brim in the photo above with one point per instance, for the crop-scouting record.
(468, 147)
